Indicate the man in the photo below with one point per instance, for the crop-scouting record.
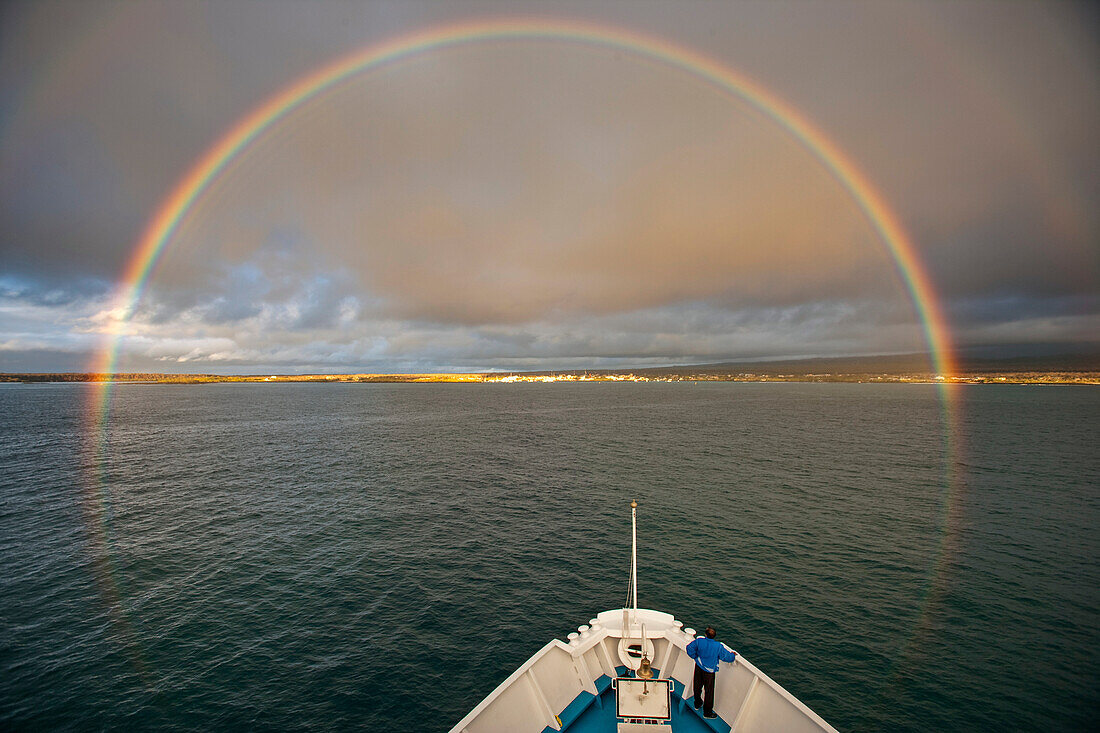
(707, 652)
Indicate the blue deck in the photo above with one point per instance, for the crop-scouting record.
(589, 713)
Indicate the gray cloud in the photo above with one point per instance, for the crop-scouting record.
(519, 203)
(447, 211)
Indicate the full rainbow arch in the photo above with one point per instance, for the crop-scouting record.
(175, 207)
(188, 191)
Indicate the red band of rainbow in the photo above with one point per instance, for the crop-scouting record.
(176, 207)
(183, 197)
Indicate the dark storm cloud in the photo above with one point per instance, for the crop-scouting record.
(513, 203)
(974, 261)
(689, 333)
(52, 292)
(281, 286)
(974, 313)
(107, 104)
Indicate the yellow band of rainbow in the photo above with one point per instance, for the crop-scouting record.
(175, 207)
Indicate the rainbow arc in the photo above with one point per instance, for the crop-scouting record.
(189, 191)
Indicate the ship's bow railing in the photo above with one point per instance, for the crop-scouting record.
(563, 678)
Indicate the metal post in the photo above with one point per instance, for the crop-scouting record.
(634, 555)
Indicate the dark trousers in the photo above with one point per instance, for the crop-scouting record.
(703, 684)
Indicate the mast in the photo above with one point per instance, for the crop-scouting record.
(634, 554)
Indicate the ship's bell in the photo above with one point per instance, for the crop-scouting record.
(645, 671)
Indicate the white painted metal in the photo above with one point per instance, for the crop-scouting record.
(556, 674)
(636, 698)
(746, 703)
(540, 701)
(558, 671)
(634, 555)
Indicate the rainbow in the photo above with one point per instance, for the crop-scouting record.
(175, 208)
(182, 200)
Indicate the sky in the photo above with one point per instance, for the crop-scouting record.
(542, 203)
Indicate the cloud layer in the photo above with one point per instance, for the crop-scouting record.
(544, 204)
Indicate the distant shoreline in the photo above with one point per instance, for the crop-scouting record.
(911, 368)
(662, 375)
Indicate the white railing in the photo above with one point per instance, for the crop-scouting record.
(532, 697)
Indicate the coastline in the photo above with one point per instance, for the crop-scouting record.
(663, 375)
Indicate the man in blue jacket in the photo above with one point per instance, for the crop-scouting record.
(707, 652)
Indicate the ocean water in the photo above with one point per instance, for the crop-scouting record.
(380, 557)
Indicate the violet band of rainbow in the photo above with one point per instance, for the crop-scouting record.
(176, 206)
(174, 210)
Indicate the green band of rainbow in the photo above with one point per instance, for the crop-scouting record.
(175, 208)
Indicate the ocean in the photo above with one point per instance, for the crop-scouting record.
(319, 557)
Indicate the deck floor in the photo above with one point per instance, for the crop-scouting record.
(599, 717)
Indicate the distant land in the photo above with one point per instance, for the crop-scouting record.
(906, 368)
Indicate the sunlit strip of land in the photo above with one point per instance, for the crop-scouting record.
(1011, 372)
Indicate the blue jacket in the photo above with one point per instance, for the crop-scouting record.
(706, 653)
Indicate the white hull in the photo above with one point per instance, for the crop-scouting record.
(549, 689)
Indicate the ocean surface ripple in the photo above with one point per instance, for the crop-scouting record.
(380, 557)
